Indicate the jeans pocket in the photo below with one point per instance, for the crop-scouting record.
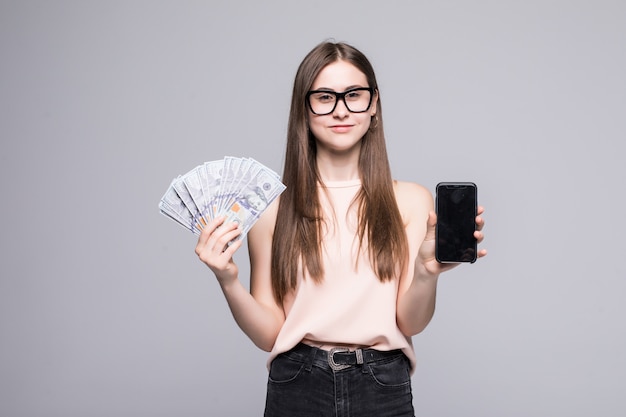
(391, 373)
(283, 369)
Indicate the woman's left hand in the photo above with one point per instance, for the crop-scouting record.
(426, 263)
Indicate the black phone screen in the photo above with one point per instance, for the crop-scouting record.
(456, 205)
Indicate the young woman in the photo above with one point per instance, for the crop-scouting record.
(343, 268)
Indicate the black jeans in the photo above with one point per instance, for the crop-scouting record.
(303, 383)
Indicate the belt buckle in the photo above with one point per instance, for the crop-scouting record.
(331, 360)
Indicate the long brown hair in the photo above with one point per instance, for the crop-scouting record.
(298, 230)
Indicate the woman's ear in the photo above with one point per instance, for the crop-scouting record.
(373, 108)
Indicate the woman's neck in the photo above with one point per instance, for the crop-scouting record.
(333, 167)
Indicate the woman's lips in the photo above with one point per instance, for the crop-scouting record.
(341, 128)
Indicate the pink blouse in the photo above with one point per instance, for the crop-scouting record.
(351, 306)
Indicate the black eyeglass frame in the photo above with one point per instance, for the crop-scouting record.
(340, 96)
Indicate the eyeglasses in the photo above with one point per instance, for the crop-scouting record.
(357, 100)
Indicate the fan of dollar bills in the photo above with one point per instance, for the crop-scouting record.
(238, 188)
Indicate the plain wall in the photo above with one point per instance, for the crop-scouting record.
(105, 309)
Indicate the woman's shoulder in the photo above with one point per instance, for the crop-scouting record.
(264, 226)
(413, 195)
(414, 202)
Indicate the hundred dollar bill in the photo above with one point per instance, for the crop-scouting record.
(248, 169)
(166, 210)
(172, 206)
(193, 185)
(183, 193)
(229, 179)
(270, 171)
(211, 185)
(252, 200)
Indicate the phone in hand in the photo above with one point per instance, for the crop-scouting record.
(456, 207)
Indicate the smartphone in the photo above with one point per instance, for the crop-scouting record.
(456, 207)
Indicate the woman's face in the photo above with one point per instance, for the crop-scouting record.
(340, 131)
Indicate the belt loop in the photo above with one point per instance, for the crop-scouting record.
(311, 359)
(359, 356)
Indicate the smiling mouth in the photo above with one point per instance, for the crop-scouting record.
(341, 128)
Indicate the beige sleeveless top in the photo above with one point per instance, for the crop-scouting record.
(351, 306)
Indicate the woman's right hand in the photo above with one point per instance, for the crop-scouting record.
(213, 248)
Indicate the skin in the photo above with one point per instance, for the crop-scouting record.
(338, 137)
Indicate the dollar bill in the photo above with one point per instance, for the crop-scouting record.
(212, 184)
(192, 183)
(172, 206)
(252, 199)
(183, 193)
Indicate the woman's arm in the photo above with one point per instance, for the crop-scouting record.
(417, 291)
(256, 312)
(418, 287)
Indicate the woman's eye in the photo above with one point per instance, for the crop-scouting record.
(325, 98)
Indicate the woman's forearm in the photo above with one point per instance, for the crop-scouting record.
(260, 323)
(416, 306)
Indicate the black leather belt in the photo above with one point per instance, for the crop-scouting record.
(342, 358)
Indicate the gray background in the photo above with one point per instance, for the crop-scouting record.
(105, 309)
